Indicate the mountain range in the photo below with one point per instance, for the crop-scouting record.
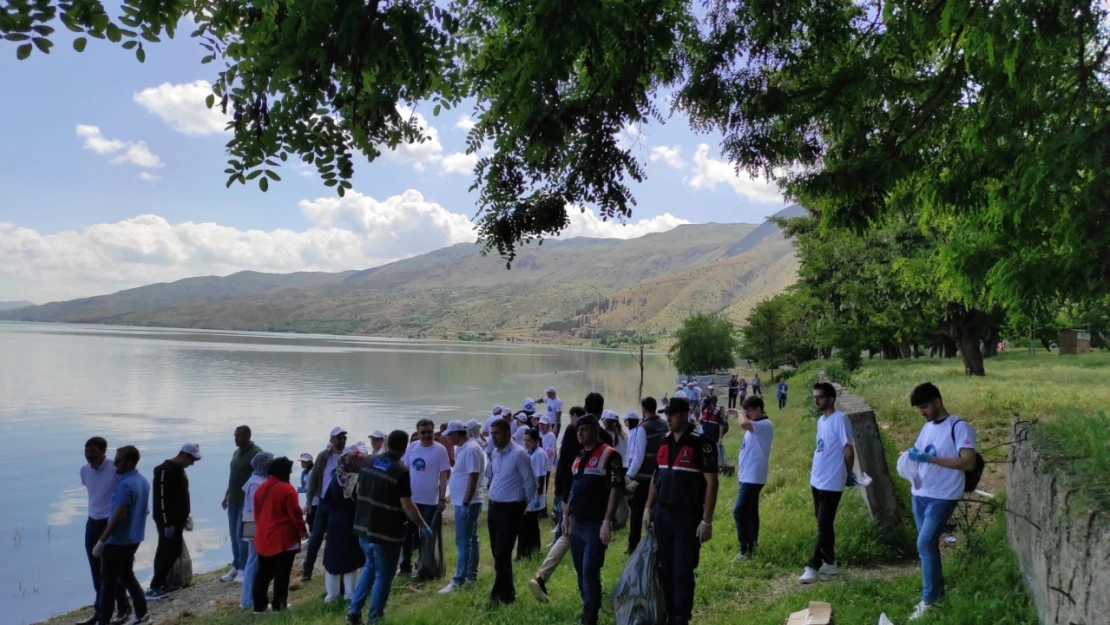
(14, 305)
(571, 287)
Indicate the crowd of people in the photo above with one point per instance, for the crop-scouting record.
(373, 508)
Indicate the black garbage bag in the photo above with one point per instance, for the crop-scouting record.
(430, 563)
(638, 595)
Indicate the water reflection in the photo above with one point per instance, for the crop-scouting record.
(157, 389)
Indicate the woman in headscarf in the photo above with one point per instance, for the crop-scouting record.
(343, 557)
(260, 465)
(279, 530)
(612, 424)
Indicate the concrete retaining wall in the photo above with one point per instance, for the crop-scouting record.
(1063, 550)
(882, 502)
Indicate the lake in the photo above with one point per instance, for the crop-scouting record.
(159, 388)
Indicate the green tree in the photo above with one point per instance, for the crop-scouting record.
(705, 344)
(764, 335)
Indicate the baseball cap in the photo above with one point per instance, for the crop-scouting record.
(678, 405)
(470, 424)
(193, 449)
(710, 387)
(336, 431)
(680, 395)
(455, 426)
(586, 420)
(306, 457)
(631, 415)
(609, 415)
(522, 417)
(497, 409)
(529, 405)
(550, 389)
(548, 420)
(377, 434)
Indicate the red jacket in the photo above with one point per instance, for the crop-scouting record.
(279, 523)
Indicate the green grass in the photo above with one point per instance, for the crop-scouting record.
(984, 585)
(1077, 443)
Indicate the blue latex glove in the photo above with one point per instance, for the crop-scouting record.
(852, 479)
(168, 531)
(920, 456)
(427, 533)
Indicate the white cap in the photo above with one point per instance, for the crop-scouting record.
(710, 387)
(529, 405)
(550, 389)
(681, 394)
(469, 424)
(455, 426)
(306, 457)
(547, 419)
(522, 417)
(632, 414)
(377, 434)
(336, 431)
(193, 449)
(609, 415)
(497, 409)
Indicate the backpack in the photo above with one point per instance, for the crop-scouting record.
(972, 477)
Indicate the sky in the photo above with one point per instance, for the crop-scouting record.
(111, 177)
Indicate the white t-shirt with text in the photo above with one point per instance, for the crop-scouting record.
(469, 458)
(553, 406)
(755, 452)
(425, 465)
(939, 482)
(834, 433)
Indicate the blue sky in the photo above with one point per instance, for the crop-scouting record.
(112, 177)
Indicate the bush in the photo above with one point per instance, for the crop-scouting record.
(810, 373)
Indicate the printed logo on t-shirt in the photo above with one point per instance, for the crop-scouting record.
(419, 465)
(931, 449)
(820, 445)
(381, 464)
(967, 441)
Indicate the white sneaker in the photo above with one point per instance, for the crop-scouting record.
(448, 589)
(920, 609)
(230, 576)
(828, 569)
(240, 576)
(742, 557)
(808, 576)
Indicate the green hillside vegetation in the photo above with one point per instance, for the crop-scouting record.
(578, 288)
(15, 304)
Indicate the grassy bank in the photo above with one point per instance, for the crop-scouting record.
(984, 586)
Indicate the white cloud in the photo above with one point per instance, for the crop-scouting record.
(669, 156)
(352, 232)
(148, 177)
(465, 123)
(134, 153)
(631, 136)
(182, 107)
(588, 224)
(428, 151)
(458, 163)
(709, 172)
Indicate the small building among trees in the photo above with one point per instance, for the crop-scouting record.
(1075, 342)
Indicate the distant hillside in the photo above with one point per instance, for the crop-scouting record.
(563, 287)
(17, 304)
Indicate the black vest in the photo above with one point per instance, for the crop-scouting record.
(654, 430)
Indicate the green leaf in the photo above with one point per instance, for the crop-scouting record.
(127, 45)
(210, 101)
(273, 175)
(80, 43)
(263, 184)
(330, 183)
(435, 111)
(23, 51)
(140, 54)
(254, 174)
(42, 44)
(114, 35)
(341, 191)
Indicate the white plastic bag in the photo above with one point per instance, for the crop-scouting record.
(908, 469)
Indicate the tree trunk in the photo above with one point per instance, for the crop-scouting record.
(950, 347)
(904, 348)
(640, 391)
(990, 347)
(916, 350)
(964, 326)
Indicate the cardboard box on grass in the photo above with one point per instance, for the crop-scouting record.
(818, 613)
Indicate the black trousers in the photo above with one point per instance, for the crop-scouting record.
(636, 505)
(118, 570)
(316, 538)
(169, 550)
(732, 399)
(678, 558)
(504, 521)
(825, 504)
(93, 529)
(782, 401)
(277, 569)
(757, 391)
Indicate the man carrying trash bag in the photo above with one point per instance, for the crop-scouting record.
(596, 489)
(680, 507)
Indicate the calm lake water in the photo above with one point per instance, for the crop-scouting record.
(159, 388)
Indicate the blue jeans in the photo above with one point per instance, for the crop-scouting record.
(381, 566)
(588, 553)
(931, 515)
(235, 529)
(746, 516)
(466, 543)
(246, 598)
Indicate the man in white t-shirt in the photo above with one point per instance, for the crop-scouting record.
(554, 408)
(751, 471)
(833, 458)
(466, 495)
(547, 437)
(99, 479)
(429, 466)
(944, 450)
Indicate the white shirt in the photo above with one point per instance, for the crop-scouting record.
(553, 406)
(834, 433)
(622, 445)
(249, 489)
(511, 476)
(755, 452)
(637, 445)
(539, 461)
(100, 483)
(548, 443)
(469, 458)
(329, 475)
(939, 482)
(486, 431)
(425, 464)
(518, 434)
